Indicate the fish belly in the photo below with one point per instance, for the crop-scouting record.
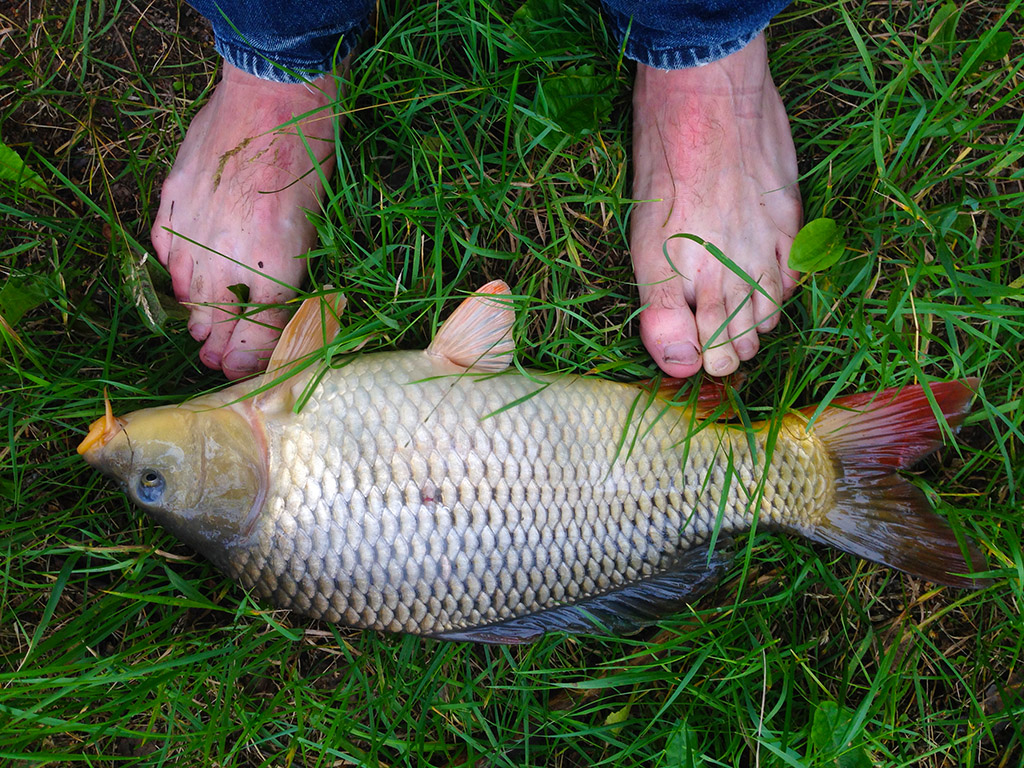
(406, 500)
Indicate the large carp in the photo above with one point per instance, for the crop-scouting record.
(443, 493)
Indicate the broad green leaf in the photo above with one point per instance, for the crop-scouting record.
(533, 11)
(618, 716)
(13, 168)
(817, 246)
(993, 49)
(942, 29)
(240, 291)
(830, 726)
(541, 25)
(681, 750)
(23, 294)
(576, 100)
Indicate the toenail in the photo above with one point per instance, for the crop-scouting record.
(199, 331)
(210, 359)
(720, 367)
(242, 361)
(681, 353)
(745, 348)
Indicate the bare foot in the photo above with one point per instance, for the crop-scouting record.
(239, 189)
(713, 152)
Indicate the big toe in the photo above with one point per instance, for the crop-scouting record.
(256, 333)
(671, 338)
(250, 346)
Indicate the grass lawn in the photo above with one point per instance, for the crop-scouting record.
(458, 163)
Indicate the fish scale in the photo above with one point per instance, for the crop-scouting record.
(417, 503)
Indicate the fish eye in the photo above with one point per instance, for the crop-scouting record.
(150, 486)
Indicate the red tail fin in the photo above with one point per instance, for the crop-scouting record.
(878, 515)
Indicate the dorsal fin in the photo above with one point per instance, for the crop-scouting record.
(312, 327)
(478, 335)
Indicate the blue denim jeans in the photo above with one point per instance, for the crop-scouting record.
(289, 41)
(676, 34)
(283, 40)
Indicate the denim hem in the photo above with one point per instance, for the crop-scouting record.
(282, 68)
(681, 34)
(688, 57)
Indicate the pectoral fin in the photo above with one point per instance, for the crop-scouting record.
(478, 335)
(312, 327)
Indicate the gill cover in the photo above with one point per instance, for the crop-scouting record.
(199, 472)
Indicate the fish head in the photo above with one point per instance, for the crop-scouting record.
(197, 471)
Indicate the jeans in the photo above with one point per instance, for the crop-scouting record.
(677, 34)
(289, 41)
(282, 40)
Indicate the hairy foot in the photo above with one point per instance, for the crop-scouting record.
(232, 211)
(713, 156)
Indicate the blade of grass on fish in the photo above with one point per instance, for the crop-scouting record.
(513, 403)
(723, 500)
(642, 401)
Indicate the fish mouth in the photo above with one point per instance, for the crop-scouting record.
(101, 431)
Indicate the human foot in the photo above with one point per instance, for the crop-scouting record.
(714, 157)
(233, 211)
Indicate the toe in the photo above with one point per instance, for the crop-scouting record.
(720, 358)
(252, 342)
(667, 326)
(214, 310)
(160, 234)
(174, 254)
(181, 267)
(742, 326)
(670, 335)
(767, 302)
(222, 316)
(788, 277)
(202, 299)
(256, 334)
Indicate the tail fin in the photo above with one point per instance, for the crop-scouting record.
(878, 515)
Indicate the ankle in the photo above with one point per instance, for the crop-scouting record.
(740, 77)
(319, 92)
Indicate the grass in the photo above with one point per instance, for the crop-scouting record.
(118, 647)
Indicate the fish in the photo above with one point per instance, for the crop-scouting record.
(448, 493)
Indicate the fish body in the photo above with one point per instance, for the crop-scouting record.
(435, 492)
(407, 501)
